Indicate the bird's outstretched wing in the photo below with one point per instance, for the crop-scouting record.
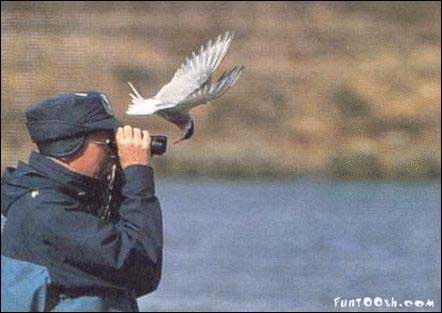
(141, 106)
(211, 90)
(179, 114)
(195, 71)
(190, 86)
(192, 74)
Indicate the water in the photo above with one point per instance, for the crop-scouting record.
(296, 246)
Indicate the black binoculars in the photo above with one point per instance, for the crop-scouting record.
(158, 144)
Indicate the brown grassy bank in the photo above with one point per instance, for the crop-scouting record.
(349, 90)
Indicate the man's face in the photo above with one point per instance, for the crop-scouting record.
(100, 153)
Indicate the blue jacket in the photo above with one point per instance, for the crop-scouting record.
(52, 221)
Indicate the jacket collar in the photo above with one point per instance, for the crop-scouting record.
(76, 183)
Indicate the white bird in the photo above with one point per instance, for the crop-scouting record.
(191, 86)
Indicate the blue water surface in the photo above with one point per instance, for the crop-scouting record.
(280, 246)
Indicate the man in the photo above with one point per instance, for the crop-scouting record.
(99, 255)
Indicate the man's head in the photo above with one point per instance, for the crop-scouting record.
(73, 128)
(95, 157)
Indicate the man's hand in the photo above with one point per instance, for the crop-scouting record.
(133, 146)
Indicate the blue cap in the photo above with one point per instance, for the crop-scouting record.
(60, 125)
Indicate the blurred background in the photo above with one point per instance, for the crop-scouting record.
(316, 176)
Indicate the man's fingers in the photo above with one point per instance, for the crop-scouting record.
(120, 134)
(133, 146)
(146, 139)
(137, 137)
(128, 133)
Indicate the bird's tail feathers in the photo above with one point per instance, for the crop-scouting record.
(136, 94)
(226, 81)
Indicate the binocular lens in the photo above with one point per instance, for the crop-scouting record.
(158, 145)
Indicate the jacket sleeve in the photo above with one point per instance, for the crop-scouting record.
(127, 253)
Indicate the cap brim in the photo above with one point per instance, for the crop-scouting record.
(106, 124)
(68, 146)
(61, 148)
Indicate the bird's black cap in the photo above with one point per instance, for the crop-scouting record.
(60, 124)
